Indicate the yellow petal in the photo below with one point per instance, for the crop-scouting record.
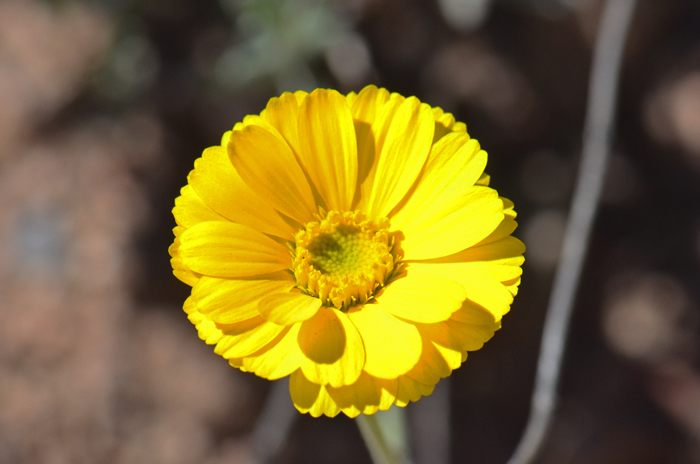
(289, 307)
(217, 183)
(452, 357)
(506, 227)
(185, 276)
(403, 135)
(366, 112)
(508, 207)
(368, 103)
(512, 285)
(410, 390)
(256, 120)
(228, 301)
(281, 118)
(267, 164)
(489, 294)
(453, 225)
(502, 271)
(331, 348)
(225, 138)
(392, 346)
(473, 336)
(444, 122)
(484, 180)
(190, 209)
(474, 314)
(351, 97)
(246, 337)
(387, 390)
(300, 95)
(278, 359)
(283, 113)
(328, 148)
(483, 290)
(311, 398)
(424, 298)
(447, 337)
(206, 329)
(475, 324)
(237, 363)
(181, 271)
(431, 367)
(367, 395)
(507, 251)
(459, 127)
(500, 260)
(454, 164)
(226, 249)
(365, 109)
(444, 345)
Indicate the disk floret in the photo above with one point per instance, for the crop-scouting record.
(344, 258)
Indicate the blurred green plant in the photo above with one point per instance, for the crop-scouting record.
(277, 39)
(129, 69)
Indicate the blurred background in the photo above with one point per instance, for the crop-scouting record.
(105, 105)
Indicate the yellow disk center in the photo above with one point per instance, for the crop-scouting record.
(344, 258)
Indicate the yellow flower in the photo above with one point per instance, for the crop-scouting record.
(349, 242)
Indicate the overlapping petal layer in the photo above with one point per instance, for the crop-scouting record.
(451, 276)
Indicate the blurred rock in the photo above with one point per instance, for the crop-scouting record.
(648, 317)
(472, 72)
(673, 115)
(676, 387)
(69, 207)
(84, 376)
(233, 451)
(685, 111)
(350, 61)
(46, 53)
(171, 371)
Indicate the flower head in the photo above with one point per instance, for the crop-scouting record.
(349, 242)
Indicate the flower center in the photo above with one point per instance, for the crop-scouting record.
(344, 258)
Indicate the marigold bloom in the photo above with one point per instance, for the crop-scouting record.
(349, 242)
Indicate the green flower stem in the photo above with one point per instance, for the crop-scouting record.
(386, 436)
